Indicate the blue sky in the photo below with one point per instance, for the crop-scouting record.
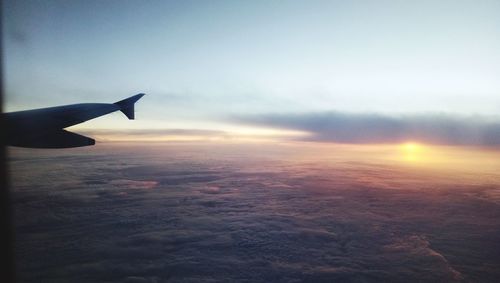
(201, 62)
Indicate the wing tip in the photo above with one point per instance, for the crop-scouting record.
(127, 105)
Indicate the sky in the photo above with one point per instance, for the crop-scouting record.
(426, 70)
(413, 81)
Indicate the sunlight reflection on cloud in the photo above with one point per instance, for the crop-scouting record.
(134, 184)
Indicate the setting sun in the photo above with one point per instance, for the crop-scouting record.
(412, 151)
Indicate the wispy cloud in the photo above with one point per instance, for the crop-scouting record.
(155, 132)
(375, 128)
(227, 134)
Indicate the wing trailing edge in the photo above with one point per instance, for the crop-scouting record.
(55, 139)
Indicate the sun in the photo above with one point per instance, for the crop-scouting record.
(411, 147)
(411, 151)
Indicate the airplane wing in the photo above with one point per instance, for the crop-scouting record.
(44, 128)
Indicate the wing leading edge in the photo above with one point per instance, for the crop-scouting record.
(44, 128)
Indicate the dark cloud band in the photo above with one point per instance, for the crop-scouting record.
(373, 128)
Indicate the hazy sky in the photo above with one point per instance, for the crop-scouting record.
(202, 61)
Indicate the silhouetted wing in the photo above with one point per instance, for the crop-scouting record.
(43, 128)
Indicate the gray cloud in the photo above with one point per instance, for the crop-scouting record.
(374, 128)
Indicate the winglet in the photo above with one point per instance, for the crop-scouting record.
(127, 105)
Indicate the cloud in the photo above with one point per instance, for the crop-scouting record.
(134, 184)
(375, 128)
(217, 216)
(156, 132)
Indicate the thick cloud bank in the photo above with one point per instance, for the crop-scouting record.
(372, 128)
(246, 214)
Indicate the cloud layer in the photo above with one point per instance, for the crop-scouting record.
(245, 214)
(373, 128)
